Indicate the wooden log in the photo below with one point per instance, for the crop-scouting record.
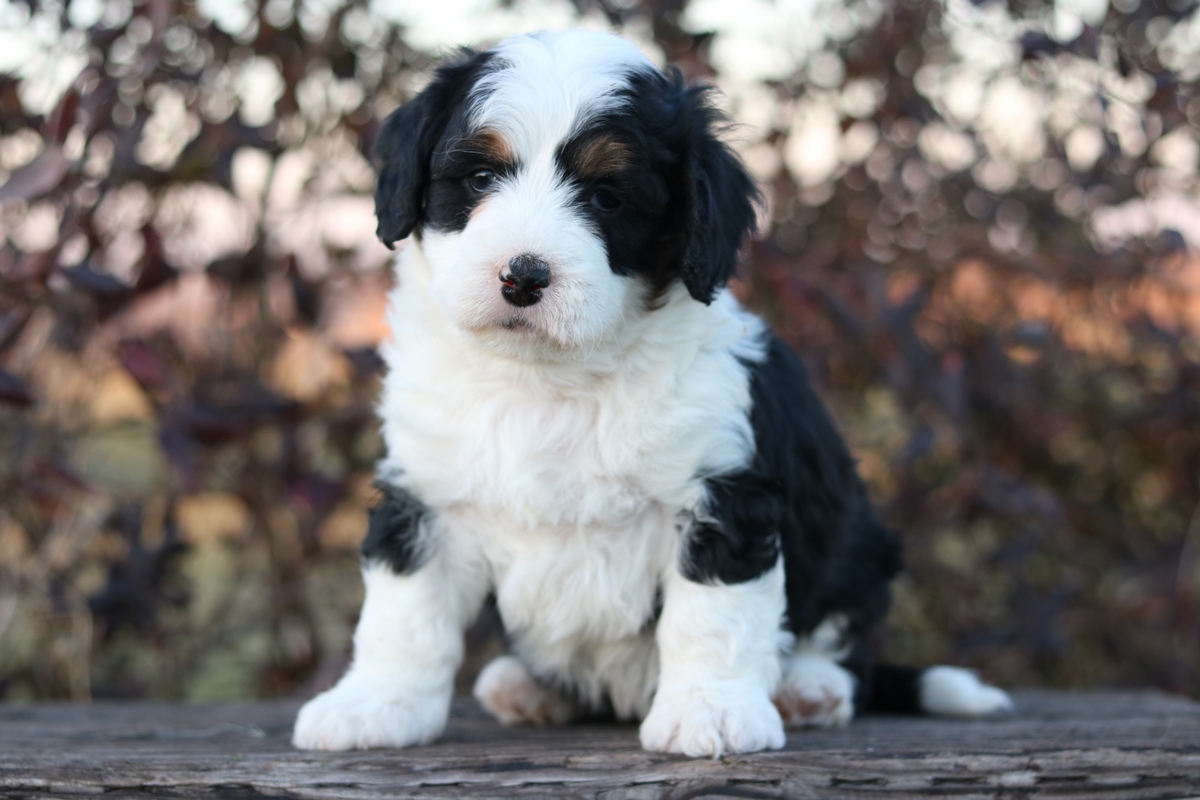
(1110, 745)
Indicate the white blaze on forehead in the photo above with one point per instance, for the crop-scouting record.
(546, 83)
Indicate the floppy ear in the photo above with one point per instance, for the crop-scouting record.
(402, 150)
(720, 198)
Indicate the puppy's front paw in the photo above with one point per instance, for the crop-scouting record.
(362, 712)
(712, 720)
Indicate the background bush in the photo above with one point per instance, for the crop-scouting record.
(981, 235)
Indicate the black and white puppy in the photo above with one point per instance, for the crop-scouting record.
(581, 420)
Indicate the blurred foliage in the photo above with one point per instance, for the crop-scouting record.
(981, 232)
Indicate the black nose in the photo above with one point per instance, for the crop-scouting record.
(524, 280)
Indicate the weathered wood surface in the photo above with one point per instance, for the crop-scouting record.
(1102, 745)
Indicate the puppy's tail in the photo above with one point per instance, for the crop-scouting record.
(944, 691)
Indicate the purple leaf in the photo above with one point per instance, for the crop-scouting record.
(13, 390)
(96, 283)
(37, 178)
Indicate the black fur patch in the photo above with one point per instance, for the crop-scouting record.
(393, 531)
(719, 200)
(800, 495)
(719, 548)
(451, 199)
(891, 689)
(634, 234)
(405, 147)
(686, 201)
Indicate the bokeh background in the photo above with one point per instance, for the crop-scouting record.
(982, 235)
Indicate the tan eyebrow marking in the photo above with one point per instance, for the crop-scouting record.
(492, 146)
(601, 157)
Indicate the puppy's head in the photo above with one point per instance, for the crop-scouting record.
(560, 182)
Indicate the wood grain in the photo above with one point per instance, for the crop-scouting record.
(1088, 745)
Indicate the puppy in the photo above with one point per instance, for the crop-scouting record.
(581, 421)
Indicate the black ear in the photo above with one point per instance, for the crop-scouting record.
(406, 142)
(720, 198)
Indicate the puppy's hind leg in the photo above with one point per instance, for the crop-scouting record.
(814, 691)
(514, 697)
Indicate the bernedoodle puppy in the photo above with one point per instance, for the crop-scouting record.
(581, 421)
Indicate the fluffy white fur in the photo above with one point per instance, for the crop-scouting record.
(511, 695)
(569, 476)
(551, 83)
(957, 692)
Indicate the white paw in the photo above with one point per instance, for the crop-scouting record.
(712, 720)
(361, 712)
(507, 690)
(815, 691)
(957, 692)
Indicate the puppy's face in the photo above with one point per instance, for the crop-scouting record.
(542, 209)
(560, 183)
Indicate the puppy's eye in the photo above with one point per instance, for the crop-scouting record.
(481, 180)
(604, 200)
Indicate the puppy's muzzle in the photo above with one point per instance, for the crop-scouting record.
(522, 283)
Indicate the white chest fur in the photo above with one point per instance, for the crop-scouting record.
(588, 439)
(578, 602)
